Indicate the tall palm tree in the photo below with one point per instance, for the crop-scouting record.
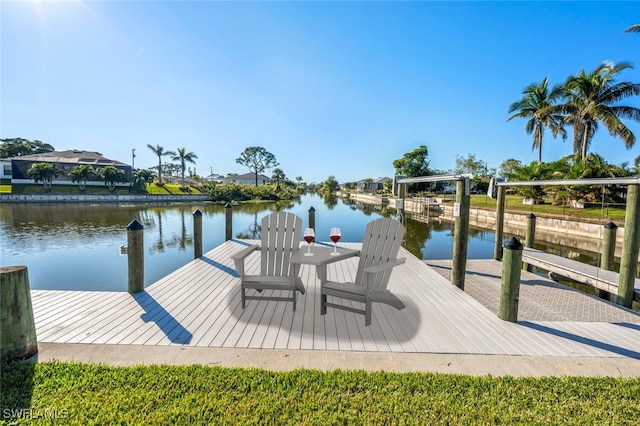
(633, 29)
(536, 100)
(183, 156)
(160, 152)
(591, 99)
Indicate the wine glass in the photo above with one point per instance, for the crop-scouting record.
(309, 236)
(335, 237)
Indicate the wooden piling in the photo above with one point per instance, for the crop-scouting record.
(510, 283)
(497, 251)
(228, 222)
(630, 247)
(608, 252)
(608, 246)
(197, 234)
(530, 237)
(135, 254)
(402, 193)
(312, 218)
(17, 326)
(461, 237)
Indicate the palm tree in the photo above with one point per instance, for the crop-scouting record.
(633, 29)
(183, 156)
(591, 99)
(111, 176)
(536, 100)
(81, 174)
(278, 175)
(45, 173)
(160, 152)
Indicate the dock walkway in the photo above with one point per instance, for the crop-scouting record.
(198, 305)
(577, 271)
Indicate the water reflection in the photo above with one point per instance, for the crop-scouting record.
(75, 246)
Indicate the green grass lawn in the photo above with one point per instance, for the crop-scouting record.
(514, 202)
(170, 188)
(94, 190)
(98, 394)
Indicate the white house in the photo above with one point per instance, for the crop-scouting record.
(248, 179)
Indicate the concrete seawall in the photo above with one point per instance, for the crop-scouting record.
(82, 198)
(568, 232)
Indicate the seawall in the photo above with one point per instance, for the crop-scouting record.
(107, 198)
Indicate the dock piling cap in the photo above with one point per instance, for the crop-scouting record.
(134, 225)
(611, 225)
(197, 212)
(513, 244)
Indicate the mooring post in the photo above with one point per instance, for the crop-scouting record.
(510, 290)
(197, 234)
(607, 255)
(530, 237)
(461, 236)
(135, 256)
(608, 246)
(497, 251)
(630, 247)
(312, 218)
(228, 231)
(17, 326)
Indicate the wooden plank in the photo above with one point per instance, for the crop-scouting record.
(201, 301)
(577, 271)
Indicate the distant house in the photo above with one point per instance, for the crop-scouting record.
(374, 185)
(248, 179)
(65, 161)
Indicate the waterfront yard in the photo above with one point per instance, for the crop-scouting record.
(99, 394)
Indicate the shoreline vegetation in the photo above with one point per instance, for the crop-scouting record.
(162, 394)
(592, 213)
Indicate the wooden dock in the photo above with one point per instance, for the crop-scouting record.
(199, 305)
(577, 271)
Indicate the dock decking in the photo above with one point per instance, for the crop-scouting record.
(577, 271)
(199, 305)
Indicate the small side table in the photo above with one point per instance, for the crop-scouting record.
(321, 258)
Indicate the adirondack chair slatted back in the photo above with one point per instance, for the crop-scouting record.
(281, 236)
(382, 240)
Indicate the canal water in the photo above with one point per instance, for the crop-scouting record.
(76, 246)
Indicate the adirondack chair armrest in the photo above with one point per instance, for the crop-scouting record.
(245, 252)
(387, 265)
(238, 258)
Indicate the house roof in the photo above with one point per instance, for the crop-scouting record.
(249, 176)
(70, 156)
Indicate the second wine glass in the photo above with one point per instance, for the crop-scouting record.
(335, 237)
(309, 236)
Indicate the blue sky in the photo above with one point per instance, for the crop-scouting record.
(330, 88)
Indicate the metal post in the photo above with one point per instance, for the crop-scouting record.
(135, 255)
(497, 251)
(630, 247)
(312, 218)
(510, 290)
(228, 222)
(530, 237)
(461, 237)
(197, 234)
(17, 326)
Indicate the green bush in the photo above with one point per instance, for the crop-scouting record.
(238, 192)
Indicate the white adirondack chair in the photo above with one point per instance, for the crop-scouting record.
(280, 240)
(378, 256)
